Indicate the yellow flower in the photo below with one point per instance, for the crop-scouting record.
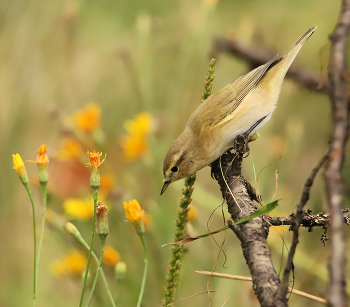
(134, 143)
(19, 168)
(192, 213)
(73, 263)
(79, 208)
(18, 165)
(71, 149)
(89, 117)
(94, 159)
(134, 212)
(133, 147)
(110, 256)
(140, 126)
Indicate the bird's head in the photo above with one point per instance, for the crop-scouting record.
(178, 163)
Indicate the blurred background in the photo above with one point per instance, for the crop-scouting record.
(122, 77)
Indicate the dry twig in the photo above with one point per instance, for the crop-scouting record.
(338, 139)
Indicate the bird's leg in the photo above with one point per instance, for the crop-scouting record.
(241, 145)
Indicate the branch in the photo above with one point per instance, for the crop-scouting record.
(258, 56)
(308, 220)
(243, 278)
(283, 288)
(338, 140)
(253, 234)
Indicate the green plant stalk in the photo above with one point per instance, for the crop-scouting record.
(142, 237)
(26, 185)
(82, 241)
(44, 194)
(95, 195)
(174, 265)
(103, 242)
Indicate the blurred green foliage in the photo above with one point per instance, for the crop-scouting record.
(134, 56)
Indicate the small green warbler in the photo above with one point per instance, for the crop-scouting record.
(241, 107)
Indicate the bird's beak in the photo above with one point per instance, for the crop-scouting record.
(165, 185)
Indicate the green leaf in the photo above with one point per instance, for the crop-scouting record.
(264, 210)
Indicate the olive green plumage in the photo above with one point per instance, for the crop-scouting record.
(241, 107)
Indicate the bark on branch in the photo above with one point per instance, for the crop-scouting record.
(338, 139)
(253, 235)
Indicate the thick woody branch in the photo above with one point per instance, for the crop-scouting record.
(338, 139)
(253, 234)
(259, 56)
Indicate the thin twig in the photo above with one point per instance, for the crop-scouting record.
(244, 278)
(283, 288)
(308, 220)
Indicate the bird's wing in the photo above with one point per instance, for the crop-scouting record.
(219, 108)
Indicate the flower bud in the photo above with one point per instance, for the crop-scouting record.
(20, 169)
(120, 270)
(71, 229)
(102, 220)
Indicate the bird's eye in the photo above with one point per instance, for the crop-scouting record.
(174, 169)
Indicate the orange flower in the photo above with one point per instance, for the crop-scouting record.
(71, 149)
(42, 160)
(107, 183)
(72, 263)
(94, 159)
(134, 212)
(192, 213)
(89, 117)
(133, 147)
(110, 256)
(42, 157)
(140, 126)
(147, 219)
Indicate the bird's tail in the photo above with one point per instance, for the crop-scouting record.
(279, 68)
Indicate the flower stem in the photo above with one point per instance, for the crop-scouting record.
(26, 185)
(95, 195)
(44, 194)
(82, 241)
(103, 242)
(142, 237)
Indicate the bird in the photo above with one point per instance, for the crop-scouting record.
(241, 107)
